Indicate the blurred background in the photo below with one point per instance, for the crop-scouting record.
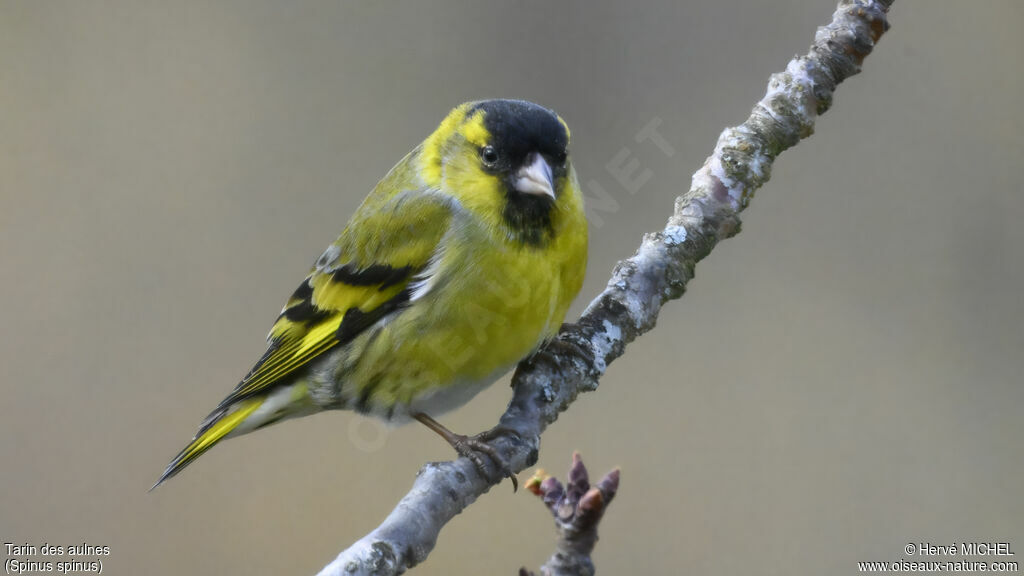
(842, 378)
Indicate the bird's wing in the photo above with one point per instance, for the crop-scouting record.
(366, 274)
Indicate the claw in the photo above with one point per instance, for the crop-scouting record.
(471, 447)
(569, 348)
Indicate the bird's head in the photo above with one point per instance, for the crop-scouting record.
(507, 161)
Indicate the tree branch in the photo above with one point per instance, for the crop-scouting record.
(705, 215)
(578, 508)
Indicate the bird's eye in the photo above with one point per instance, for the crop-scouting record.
(489, 155)
(561, 157)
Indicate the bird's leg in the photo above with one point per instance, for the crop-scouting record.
(472, 446)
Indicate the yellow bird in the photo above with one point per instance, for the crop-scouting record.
(462, 261)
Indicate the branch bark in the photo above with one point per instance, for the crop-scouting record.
(706, 214)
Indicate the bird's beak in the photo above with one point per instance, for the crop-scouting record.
(535, 177)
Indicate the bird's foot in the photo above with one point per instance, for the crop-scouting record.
(561, 347)
(475, 447)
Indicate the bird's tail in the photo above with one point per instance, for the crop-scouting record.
(217, 426)
(242, 417)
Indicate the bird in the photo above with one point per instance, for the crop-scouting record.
(462, 261)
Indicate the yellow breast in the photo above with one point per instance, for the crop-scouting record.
(488, 307)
